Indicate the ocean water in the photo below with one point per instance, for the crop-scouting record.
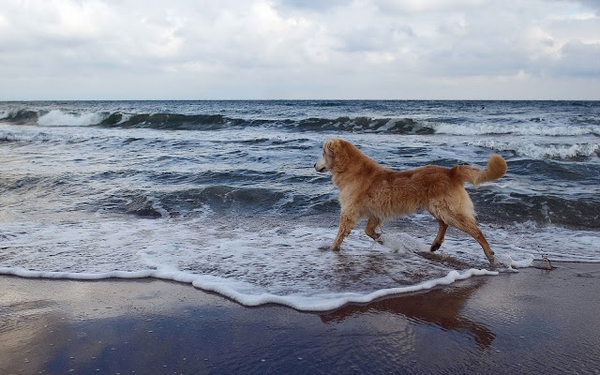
(223, 194)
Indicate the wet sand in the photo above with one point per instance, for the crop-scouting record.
(533, 321)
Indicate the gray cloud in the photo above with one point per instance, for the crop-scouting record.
(578, 59)
(590, 4)
(289, 48)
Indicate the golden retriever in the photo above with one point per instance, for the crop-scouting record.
(369, 190)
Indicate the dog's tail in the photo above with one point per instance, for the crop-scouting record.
(496, 168)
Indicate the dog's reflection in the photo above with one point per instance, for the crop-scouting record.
(440, 307)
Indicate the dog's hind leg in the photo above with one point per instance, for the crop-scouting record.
(440, 236)
(347, 222)
(370, 229)
(469, 225)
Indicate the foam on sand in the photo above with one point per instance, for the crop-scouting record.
(233, 290)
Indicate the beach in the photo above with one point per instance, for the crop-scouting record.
(531, 321)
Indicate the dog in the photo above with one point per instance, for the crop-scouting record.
(370, 190)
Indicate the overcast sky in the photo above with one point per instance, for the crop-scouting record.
(299, 49)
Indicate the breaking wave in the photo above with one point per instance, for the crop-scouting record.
(207, 122)
(522, 129)
(217, 121)
(538, 150)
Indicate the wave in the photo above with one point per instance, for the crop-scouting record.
(216, 121)
(366, 124)
(175, 121)
(248, 192)
(231, 201)
(222, 200)
(60, 118)
(528, 148)
(170, 121)
(53, 117)
(579, 213)
(531, 128)
(20, 117)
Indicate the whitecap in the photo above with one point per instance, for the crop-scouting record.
(59, 118)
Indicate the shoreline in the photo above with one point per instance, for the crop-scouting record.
(534, 321)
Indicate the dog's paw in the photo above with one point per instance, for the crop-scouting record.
(435, 247)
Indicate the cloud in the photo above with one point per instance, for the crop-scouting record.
(590, 4)
(422, 6)
(291, 48)
(578, 59)
(309, 5)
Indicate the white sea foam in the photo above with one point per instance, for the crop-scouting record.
(59, 118)
(402, 243)
(532, 129)
(237, 290)
(286, 264)
(506, 261)
(526, 147)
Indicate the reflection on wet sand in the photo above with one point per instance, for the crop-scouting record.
(438, 307)
(30, 335)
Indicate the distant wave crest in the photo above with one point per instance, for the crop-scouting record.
(176, 121)
(529, 129)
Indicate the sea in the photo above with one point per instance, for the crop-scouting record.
(223, 195)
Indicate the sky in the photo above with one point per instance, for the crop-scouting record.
(299, 49)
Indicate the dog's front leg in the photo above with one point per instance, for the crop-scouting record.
(347, 222)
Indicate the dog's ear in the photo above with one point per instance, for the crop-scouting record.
(329, 147)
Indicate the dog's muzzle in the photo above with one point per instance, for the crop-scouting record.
(320, 166)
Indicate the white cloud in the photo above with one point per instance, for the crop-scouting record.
(290, 48)
(421, 6)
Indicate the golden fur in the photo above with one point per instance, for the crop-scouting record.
(369, 190)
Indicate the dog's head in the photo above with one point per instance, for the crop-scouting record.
(332, 152)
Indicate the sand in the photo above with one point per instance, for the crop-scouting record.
(533, 321)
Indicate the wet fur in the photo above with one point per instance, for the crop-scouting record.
(369, 190)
